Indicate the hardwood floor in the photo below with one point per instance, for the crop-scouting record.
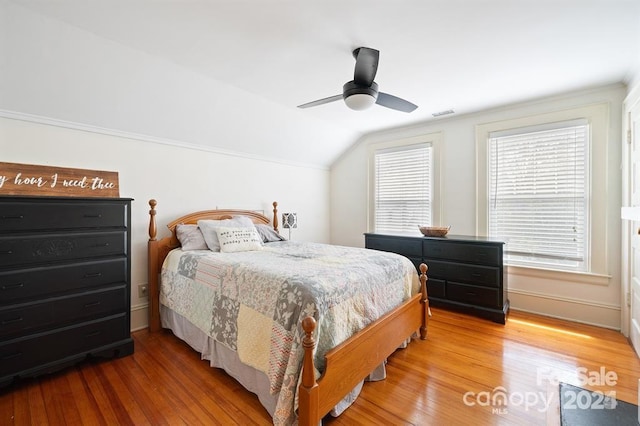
(448, 379)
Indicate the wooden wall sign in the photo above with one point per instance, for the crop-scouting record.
(30, 179)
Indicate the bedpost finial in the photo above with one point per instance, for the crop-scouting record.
(308, 325)
(153, 229)
(275, 216)
(423, 280)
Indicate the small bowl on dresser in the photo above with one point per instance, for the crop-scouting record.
(434, 231)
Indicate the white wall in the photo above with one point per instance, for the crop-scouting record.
(71, 99)
(587, 299)
(182, 180)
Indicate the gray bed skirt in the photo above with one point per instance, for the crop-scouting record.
(255, 381)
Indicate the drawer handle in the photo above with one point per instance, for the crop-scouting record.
(11, 321)
(6, 252)
(12, 286)
(11, 356)
(93, 275)
(476, 275)
(469, 293)
(93, 216)
(95, 333)
(13, 217)
(101, 245)
(91, 304)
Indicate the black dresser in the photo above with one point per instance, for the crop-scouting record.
(465, 273)
(64, 282)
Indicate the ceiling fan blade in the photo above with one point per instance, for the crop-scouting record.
(321, 101)
(366, 65)
(394, 102)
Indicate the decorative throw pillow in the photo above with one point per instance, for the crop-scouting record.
(208, 228)
(238, 239)
(268, 234)
(190, 237)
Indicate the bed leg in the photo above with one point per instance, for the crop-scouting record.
(425, 301)
(308, 396)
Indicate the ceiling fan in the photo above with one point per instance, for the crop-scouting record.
(362, 92)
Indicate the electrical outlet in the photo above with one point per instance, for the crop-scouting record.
(143, 291)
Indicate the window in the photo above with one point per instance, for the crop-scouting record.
(601, 204)
(403, 188)
(539, 194)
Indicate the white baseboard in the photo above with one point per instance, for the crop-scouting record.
(139, 317)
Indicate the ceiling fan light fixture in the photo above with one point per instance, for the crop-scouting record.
(360, 101)
(362, 92)
(358, 97)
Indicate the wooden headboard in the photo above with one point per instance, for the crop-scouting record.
(193, 218)
(159, 249)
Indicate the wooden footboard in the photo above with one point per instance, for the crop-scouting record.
(350, 362)
(347, 364)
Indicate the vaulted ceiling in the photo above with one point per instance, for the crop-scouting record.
(464, 55)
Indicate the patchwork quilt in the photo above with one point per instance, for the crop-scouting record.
(253, 302)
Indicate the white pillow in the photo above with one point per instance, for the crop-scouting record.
(208, 228)
(267, 233)
(190, 237)
(238, 239)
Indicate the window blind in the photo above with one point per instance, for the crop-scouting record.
(538, 195)
(403, 188)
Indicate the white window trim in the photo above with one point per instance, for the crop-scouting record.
(432, 138)
(598, 117)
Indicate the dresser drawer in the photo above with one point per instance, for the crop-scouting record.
(26, 284)
(31, 317)
(471, 274)
(436, 288)
(479, 296)
(40, 349)
(436, 269)
(91, 305)
(469, 253)
(404, 246)
(32, 216)
(33, 249)
(61, 311)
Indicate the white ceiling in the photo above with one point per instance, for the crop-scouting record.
(465, 55)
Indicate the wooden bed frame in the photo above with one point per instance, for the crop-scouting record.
(347, 364)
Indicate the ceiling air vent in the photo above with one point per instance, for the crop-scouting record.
(441, 113)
